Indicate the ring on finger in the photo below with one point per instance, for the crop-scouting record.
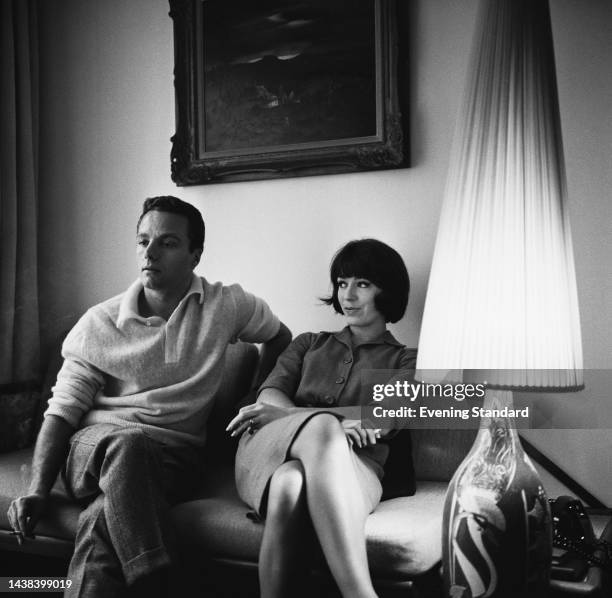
(251, 428)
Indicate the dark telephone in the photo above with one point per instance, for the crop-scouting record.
(574, 535)
(571, 523)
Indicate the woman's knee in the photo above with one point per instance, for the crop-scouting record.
(286, 492)
(319, 433)
(326, 426)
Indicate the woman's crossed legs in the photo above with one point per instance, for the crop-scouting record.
(318, 484)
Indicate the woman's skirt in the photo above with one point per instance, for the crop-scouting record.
(259, 455)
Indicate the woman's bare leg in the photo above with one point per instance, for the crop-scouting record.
(335, 502)
(286, 532)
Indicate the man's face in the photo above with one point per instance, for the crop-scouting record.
(164, 258)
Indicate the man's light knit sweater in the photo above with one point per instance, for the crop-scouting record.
(161, 376)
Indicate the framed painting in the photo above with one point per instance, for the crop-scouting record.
(284, 88)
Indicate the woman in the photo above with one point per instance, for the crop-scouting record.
(304, 460)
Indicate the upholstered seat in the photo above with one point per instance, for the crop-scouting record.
(403, 534)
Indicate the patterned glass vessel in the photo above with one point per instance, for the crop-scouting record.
(497, 538)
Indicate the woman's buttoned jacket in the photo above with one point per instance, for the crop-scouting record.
(324, 369)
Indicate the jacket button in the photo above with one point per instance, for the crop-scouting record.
(328, 399)
(340, 380)
(348, 360)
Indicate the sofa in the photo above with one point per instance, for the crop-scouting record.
(214, 529)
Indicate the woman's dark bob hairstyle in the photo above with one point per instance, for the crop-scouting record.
(378, 263)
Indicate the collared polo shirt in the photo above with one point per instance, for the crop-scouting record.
(120, 367)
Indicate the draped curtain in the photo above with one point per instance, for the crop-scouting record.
(19, 317)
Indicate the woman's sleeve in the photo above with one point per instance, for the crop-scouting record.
(407, 360)
(404, 372)
(287, 372)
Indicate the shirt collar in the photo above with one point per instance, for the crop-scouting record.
(128, 308)
(386, 338)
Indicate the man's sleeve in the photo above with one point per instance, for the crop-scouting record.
(255, 321)
(77, 381)
(287, 372)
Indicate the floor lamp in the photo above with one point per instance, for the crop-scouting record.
(501, 304)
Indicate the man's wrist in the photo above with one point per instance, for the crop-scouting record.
(39, 489)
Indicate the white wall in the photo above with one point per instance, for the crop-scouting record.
(108, 114)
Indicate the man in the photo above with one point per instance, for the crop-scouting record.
(128, 414)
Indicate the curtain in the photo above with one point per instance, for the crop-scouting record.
(19, 318)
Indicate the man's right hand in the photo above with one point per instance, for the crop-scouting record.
(24, 513)
(50, 453)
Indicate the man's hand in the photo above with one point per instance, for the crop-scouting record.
(49, 454)
(24, 513)
(253, 417)
(358, 436)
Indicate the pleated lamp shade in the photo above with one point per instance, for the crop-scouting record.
(502, 299)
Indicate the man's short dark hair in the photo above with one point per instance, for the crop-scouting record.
(378, 263)
(174, 205)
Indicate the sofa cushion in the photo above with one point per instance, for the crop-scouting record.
(217, 521)
(403, 534)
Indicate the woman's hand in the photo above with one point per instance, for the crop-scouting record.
(358, 436)
(255, 416)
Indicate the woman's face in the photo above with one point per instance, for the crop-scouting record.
(356, 297)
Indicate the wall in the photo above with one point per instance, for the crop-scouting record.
(108, 114)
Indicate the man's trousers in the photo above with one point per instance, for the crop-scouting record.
(128, 482)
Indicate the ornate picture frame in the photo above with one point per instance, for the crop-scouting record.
(286, 88)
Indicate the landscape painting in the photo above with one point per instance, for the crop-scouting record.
(281, 88)
(288, 72)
